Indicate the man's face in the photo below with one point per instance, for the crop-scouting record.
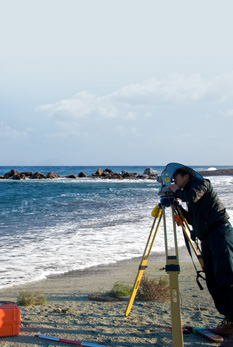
(181, 180)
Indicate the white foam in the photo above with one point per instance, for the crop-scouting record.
(211, 169)
(77, 249)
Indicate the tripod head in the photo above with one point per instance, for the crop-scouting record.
(166, 177)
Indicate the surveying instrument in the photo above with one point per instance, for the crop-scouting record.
(172, 267)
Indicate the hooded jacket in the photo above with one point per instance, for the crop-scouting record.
(204, 206)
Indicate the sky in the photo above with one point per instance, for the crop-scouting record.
(116, 82)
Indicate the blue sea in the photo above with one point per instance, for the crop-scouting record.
(53, 226)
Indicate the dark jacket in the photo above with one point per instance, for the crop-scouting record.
(204, 206)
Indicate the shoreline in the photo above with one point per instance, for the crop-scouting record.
(154, 257)
(71, 315)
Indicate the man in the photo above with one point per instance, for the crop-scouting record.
(210, 223)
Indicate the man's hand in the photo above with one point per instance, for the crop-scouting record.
(173, 187)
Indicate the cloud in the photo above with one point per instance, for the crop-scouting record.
(79, 105)
(140, 99)
(176, 88)
(85, 104)
(7, 132)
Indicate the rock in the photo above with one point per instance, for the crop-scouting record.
(125, 174)
(16, 177)
(27, 173)
(129, 174)
(143, 177)
(38, 176)
(115, 175)
(149, 171)
(58, 310)
(52, 175)
(1, 177)
(153, 177)
(108, 171)
(71, 176)
(218, 172)
(82, 174)
(19, 176)
(99, 172)
(11, 173)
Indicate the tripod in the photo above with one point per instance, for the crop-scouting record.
(172, 262)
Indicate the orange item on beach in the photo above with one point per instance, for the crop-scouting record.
(10, 319)
(178, 219)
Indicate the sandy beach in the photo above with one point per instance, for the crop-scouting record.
(69, 314)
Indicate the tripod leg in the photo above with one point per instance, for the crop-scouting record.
(184, 222)
(177, 335)
(143, 264)
(173, 269)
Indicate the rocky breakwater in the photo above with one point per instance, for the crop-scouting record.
(16, 175)
(218, 172)
(148, 173)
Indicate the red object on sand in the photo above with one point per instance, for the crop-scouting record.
(10, 319)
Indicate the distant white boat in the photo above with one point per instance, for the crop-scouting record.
(211, 169)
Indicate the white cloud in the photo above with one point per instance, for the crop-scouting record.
(140, 99)
(78, 106)
(85, 104)
(176, 88)
(8, 132)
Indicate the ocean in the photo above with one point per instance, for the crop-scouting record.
(53, 226)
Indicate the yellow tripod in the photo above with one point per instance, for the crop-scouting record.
(172, 263)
